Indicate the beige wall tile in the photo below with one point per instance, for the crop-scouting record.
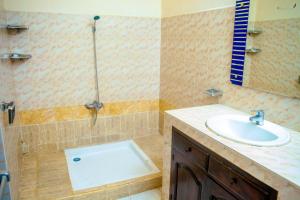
(11, 138)
(53, 137)
(62, 63)
(276, 68)
(196, 56)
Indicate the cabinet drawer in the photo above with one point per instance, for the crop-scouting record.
(236, 183)
(190, 150)
(216, 192)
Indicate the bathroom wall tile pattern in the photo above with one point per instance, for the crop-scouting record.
(277, 67)
(10, 136)
(61, 71)
(67, 113)
(11, 139)
(7, 92)
(275, 166)
(53, 137)
(196, 56)
(189, 60)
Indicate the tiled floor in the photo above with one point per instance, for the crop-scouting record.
(45, 176)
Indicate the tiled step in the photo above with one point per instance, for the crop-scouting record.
(148, 195)
(45, 176)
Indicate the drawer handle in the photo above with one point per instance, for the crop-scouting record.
(233, 181)
(189, 149)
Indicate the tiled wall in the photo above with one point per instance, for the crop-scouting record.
(13, 158)
(196, 56)
(7, 91)
(53, 86)
(277, 67)
(69, 113)
(61, 71)
(9, 144)
(58, 135)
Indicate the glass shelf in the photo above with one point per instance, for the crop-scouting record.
(253, 50)
(253, 32)
(13, 28)
(15, 56)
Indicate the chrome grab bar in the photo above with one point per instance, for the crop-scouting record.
(4, 179)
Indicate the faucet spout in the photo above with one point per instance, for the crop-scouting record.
(258, 118)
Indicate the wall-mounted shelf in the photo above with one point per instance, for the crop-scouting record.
(13, 28)
(214, 92)
(253, 50)
(15, 56)
(254, 32)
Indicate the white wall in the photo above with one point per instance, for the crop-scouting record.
(267, 9)
(1, 5)
(276, 9)
(180, 7)
(141, 8)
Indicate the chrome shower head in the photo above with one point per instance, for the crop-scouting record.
(96, 18)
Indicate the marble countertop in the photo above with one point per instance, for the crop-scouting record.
(283, 161)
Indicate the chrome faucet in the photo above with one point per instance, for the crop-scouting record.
(258, 118)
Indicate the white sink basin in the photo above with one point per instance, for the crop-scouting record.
(239, 129)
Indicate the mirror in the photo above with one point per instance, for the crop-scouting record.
(272, 49)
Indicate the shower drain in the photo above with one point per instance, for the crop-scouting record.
(76, 159)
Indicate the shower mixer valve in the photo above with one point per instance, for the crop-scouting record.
(11, 108)
(94, 106)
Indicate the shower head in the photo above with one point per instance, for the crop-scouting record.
(95, 21)
(96, 18)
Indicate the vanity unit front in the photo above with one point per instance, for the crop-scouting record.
(197, 173)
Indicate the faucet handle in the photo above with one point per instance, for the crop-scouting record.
(258, 118)
(256, 111)
(259, 112)
(5, 106)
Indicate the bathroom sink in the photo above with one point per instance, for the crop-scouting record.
(238, 128)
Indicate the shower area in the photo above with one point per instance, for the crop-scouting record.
(85, 93)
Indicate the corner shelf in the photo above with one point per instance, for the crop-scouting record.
(15, 56)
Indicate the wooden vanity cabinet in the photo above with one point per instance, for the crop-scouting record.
(200, 174)
(188, 179)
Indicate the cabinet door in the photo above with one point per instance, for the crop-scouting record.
(187, 180)
(216, 192)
